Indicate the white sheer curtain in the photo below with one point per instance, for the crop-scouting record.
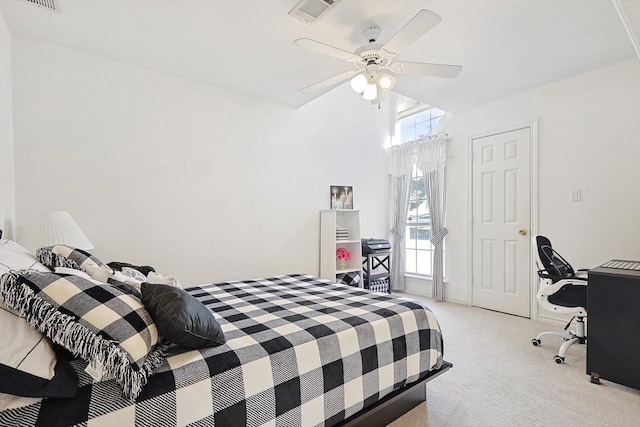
(432, 160)
(400, 168)
(429, 155)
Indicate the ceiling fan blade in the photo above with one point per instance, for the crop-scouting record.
(423, 69)
(333, 81)
(422, 22)
(325, 49)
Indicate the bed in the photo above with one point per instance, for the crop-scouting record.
(299, 350)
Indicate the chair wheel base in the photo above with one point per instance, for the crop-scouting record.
(535, 342)
(559, 360)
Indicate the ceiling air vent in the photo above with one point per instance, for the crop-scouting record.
(46, 4)
(310, 11)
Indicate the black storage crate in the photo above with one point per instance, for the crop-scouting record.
(376, 268)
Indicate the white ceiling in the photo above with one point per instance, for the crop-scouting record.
(245, 46)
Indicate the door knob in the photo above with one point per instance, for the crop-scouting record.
(522, 232)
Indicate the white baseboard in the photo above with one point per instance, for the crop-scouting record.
(425, 296)
(422, 286)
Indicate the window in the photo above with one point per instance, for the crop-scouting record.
(416, 121)
(419, 249)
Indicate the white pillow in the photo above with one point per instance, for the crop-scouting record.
(15, 257)
(27, 359)
(23, 348)
(159, 279)
(120, 277)
(134, 274)
(117, 275)
(28, 362)
(101, 273)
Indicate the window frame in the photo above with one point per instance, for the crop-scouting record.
(413, 254)
(419, 208)
(433, 117)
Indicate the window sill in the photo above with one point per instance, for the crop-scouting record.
(422, 277)
(418, 276)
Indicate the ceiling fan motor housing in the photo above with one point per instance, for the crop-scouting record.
(372, 59)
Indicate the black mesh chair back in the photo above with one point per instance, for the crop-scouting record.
(555, 267)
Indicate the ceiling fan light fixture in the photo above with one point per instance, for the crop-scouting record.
(359, 83)
(368, 80)
(370, 92)
(385, 81)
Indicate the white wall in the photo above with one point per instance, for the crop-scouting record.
(209, 185)
(198, 182)
(588, 132)
(7, 180)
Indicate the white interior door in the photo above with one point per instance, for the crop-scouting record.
(501, 222)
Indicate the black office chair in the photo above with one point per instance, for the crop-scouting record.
(562, 290)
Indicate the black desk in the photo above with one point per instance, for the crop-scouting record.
(613, 336)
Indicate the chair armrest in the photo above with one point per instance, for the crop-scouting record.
(544, 274)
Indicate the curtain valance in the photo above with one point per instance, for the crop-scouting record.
(401, 160)
(432, 155)
(428, 154)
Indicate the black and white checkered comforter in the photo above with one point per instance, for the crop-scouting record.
(300, 351)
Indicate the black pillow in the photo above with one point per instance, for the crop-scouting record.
(180, 317)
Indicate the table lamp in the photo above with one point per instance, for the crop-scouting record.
(58, 228)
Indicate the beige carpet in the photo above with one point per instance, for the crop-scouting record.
(499, 379)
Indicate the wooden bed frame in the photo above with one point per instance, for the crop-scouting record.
(395, 404)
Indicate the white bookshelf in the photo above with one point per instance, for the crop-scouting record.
(348, 219)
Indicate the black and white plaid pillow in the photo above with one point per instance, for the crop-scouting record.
(67, 256)
(351, 279)
(108, 328)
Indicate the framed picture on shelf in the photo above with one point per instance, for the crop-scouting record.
(341, 197)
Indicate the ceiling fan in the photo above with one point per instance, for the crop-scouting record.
(374, 65)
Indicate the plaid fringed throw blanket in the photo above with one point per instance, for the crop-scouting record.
(300, 351)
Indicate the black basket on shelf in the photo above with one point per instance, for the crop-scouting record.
(380, 285)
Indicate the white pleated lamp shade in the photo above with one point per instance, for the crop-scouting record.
(58, 228)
